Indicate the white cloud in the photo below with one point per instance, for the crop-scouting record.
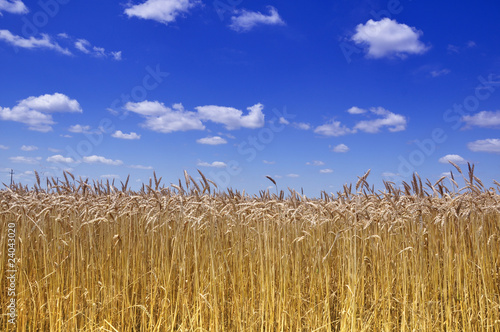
(141, 167)
(491, 145)
(390, 175)
(268, 162)
(437, 73)
(356, 110)
(29, 148)
(3, 147)
(334, 128)
(164, 119)
(79, 129)
(315, 163)
(60, 159)
(301, 125)
(32, 43)
(291, 175)
(284, 121)
(453, 158)
(110, 176)
(341, 148)
(35, 111)
(163, 11)
(99, 159)
(326, 171)
(120, 134)
(231, 117)
(86, 47)
(54, 150)
(13, 7)
(216, 164)
(215, 140)
(387, 37)
(395, 122)
(25, 160)
(247, 20)
(483, 119)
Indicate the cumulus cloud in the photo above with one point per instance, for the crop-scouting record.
(102, 160)
(453, 158)
(334, 128)
(29, 148)
(25, 160)
(36, 111)
(214, 140)
(120, 134)
(394, 122)
(326, 171)
(13, 7)
(231, 117)
(79, 129)
(341, 148)
(315, 163)
(483, 119)
(60, 159)
(386, 38)
(216, 164)
(163, 11)
(44, 42)
(491, 145)
(163, 119)
(247, 20)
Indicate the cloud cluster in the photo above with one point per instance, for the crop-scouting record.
(393, 122)
(386, 38)
(36, 112)
(163, 11)
(163, 119)
(247, 20)
(86, 47)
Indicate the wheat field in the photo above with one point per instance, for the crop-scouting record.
(189, 257)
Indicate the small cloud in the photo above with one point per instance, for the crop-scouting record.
(483, 119)
(356, 110)
(247, 20)
(491, 145)
(291, 175)
(25, 160)
(160, 10)
(13, 7)
(333, 128)
(121, 135)
(301, 125)
(268, 162)
(66, 136)
(214, 140)
(315, 163)
(117, 55)
(453, 49)
(29, 148)
(60, 159)
(110, 176)
(471, 44)
(390, 175)
(79, 129)
(394, 122)
(326, 171)
(3, 147)
(341, 148)
(437, 73)
(216, 164)
(63, 35)
(284, 121)
(141, 167)
(99, 159)
(453, 158)
(44, 42)
(386, 38)
(54, 150)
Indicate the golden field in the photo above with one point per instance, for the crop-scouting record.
(93, 257)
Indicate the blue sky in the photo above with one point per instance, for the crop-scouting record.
(312, 95)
